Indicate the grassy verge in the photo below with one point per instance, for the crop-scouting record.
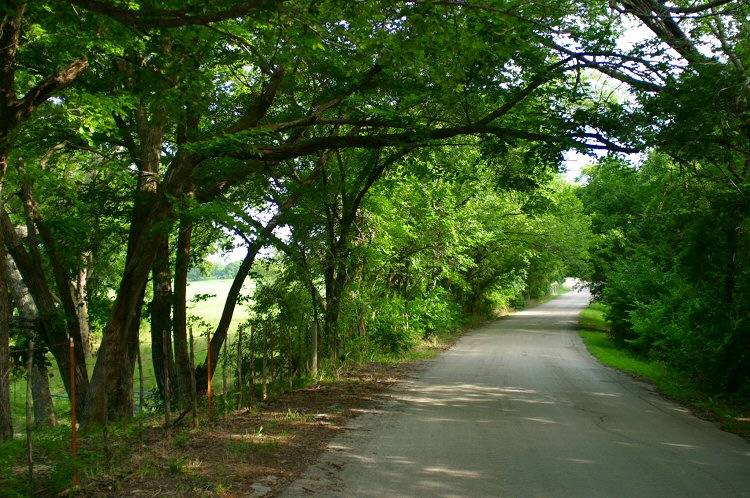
(667, 380)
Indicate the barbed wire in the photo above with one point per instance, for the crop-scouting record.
(66, 343)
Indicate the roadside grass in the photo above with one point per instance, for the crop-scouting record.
(672, 383)
(592, 318)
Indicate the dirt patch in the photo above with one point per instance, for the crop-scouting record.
(252, 452)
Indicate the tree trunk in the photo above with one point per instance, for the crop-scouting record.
(44, 413)
(152, 210)
(161, 306)
(80, 298)
(52, 324)
(65, 289)
(6, 418)
(182, 264)
(112, 381)
(220, 334)
(43, 408)
(116, 360)
(335, 281)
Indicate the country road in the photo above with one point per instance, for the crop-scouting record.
(519, 408)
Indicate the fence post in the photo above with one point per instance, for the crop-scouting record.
(264, 368)
(314, 349)
(240, 384)
(289, 359)
(193, 393)
(73, 419)
(209, 387)
(251, 395)
(299, 351)
(224, 378)
(166, 356)
(140, 381)
(29, 421)
(273, 354)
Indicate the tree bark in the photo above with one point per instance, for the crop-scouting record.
(182, 265)
(112, 381)
(80, 298)
(77, 328)
(116, 360)
(6, 418)
(52, 323)
(44, 412)
(161, 305)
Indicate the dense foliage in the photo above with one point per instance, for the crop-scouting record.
(441, 239)
(671, 261)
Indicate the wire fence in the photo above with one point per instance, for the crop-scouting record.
(244, 372)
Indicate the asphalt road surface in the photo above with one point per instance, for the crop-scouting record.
(519, 408)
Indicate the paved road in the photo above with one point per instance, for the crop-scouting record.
(519, 408)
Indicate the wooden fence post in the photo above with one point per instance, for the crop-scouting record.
(314, 349)
(73, 418)
(209, 372)
(251, 395)
(29, 420)
(167, 356)
(289, 357)
(224, 378)
(264, 362)
(193, 393)
(273, 354)
(240, 384)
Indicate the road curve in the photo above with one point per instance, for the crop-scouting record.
(519, 408)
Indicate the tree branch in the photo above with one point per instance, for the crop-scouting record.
(695, 9)
(167, 18)
(50, 85)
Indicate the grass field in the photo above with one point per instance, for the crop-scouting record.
(210, 309)
(669, 381)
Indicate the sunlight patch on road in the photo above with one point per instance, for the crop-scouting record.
(533, 401)
(540, 420)
(451, 472)
(680, 445)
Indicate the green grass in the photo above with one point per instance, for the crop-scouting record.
(592, 318)
(667, 380)
(210, 309)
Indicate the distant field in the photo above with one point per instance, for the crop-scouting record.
(210, 309)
